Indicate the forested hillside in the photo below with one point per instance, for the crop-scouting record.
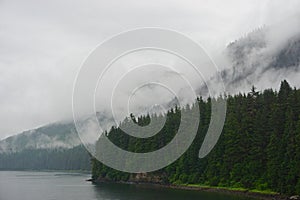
(76, 158)
(259, 147)
(51, 136)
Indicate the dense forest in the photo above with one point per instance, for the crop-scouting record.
(76, 158)
(259, 147)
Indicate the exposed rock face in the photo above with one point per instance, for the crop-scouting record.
(296, 197)
(147, 178)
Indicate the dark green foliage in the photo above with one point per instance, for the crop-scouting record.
(76, 158)
(259, 147)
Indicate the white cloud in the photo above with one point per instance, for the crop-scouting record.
(42, 43)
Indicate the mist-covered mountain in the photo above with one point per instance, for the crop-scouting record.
(59, 135)
(52, 147)
(259, 59)
(289, 56)
(262, 58)
(56, 135)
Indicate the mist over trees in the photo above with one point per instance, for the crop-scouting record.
(259, 147)
(76, 158)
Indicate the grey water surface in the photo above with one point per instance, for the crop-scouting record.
(25, 185)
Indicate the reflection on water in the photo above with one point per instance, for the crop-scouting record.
(147, 192)
(72, 186)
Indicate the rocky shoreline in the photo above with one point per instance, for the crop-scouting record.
(244, 193)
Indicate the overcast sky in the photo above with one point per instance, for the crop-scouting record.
(43, 43)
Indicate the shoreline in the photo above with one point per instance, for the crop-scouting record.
(231, 191)
(222, 190)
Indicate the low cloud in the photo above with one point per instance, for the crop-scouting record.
(42, 45)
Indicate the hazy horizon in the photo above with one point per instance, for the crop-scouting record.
(43, 44)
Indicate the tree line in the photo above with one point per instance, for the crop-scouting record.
(76, 158)
(259, 147)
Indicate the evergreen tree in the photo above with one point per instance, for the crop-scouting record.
(259, 147)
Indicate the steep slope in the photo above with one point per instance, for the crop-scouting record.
(259, 59)
(57, 135)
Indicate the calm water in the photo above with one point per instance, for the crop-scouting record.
(72, 186)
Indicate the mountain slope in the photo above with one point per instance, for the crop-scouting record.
(76, 158)
(56, 135)
(259, 59)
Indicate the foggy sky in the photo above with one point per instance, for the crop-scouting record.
(43, 43)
